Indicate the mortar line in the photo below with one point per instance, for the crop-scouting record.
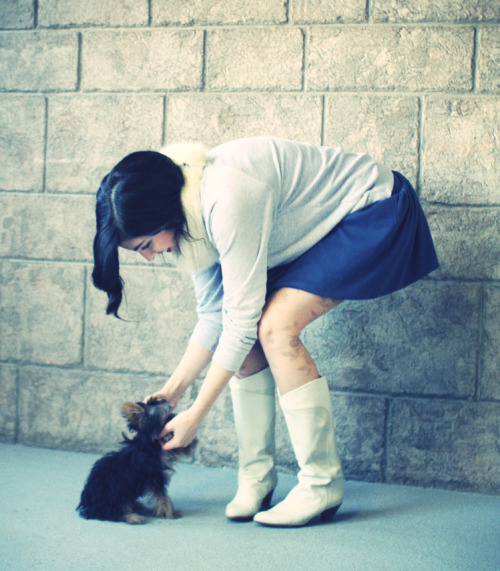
(45, 143)
(216, 27)
(79, 66)
(203, 86)
(420, 143)
(475, 53)
(387, 425)
(17, 423)
(480, 343)
(84, 319)
(324, 118)
(305, 45)
(380, 92)
(35, 13)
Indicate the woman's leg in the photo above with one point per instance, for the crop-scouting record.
(253, 395)
(306, 404)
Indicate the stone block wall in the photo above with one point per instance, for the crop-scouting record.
(414, 376)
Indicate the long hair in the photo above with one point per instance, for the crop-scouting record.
(139, 197)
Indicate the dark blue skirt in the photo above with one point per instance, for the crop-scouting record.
(372, 252)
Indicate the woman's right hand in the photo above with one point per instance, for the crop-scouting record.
(167, 392)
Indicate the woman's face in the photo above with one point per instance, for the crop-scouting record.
(149, 246)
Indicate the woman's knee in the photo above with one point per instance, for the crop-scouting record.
(275, 330)
(287, 313)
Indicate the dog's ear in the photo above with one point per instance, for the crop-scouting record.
(134, 412)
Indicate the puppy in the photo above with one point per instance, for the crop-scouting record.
(140, 467)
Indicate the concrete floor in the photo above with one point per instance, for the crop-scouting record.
(379, 526)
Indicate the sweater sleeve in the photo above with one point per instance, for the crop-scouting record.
(209, 293)
(240, 225)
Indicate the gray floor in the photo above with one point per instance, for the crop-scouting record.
(379, 526)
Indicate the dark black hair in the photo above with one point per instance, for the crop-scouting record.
(140, 196)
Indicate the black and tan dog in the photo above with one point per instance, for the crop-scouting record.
(139, 468)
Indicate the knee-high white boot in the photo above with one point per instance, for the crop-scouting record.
(254, 415)
(308, 415)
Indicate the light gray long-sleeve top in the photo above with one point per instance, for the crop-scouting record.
(265, 201)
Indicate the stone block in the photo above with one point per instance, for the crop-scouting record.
(466, 241)
(93, 13)
(158, 314)
(407, 59)
(136, 60)
(88, 134)
(461, 150)
(213, 119)
(201, 12)
(41, 313)
(76, 409)
(445, 444)
(17, 14)
(328, 11)
(422, 340)
(8, 403)
(431, 11)
(47, 226)
(489, 386)
(38, 61)
(360, 432)
(256, 58)
(22, 124)
(488, 62)
(385, 127)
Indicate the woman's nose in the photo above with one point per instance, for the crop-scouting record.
(149, 255)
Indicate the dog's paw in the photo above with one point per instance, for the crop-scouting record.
(165, 509)
(167, 513)
(134, 519)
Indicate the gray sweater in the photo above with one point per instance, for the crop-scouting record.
(265, 201)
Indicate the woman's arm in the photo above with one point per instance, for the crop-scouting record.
(195, 359)
(185, 424)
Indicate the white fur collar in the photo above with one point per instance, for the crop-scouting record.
(196, 253)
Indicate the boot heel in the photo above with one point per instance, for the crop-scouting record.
(266, 502)
(329, 514)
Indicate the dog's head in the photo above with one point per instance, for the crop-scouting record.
(147, 419)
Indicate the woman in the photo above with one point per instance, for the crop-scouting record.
(275, 234)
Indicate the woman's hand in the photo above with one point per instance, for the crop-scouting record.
(182, 428)
(165, 394)
(185, 424)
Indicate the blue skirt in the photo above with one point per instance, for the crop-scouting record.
(372, 252)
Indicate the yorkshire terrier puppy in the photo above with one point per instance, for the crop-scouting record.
(140, 467)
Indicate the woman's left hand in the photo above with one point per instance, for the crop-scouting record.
(183, 427)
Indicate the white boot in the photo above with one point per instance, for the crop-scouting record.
(254, 415)
(308, 415)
